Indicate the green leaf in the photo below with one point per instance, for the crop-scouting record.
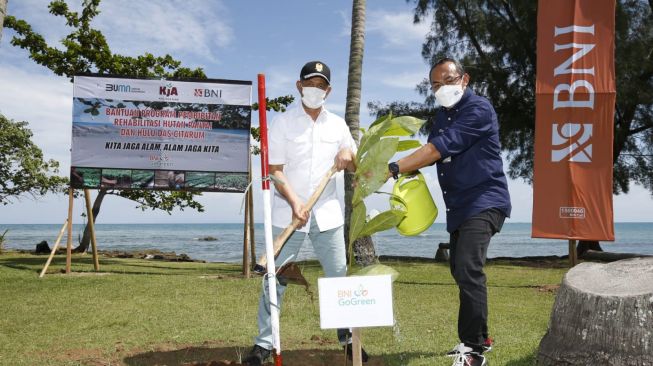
(378, 270)
(373, 135)
(404, 126)
(381, 120)
(357, 221)
(408, 145)
(95, 112)
(371, 173)
(383, 221)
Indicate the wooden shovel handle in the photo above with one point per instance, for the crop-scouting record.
(281, 239)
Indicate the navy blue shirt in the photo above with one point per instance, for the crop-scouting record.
(470, 170)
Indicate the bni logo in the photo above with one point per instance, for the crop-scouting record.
(572, 142)
(215, 93)
(123, 88)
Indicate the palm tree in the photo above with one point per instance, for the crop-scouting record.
(3, 12)
(364, 247)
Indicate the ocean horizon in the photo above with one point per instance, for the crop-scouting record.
(513, 241)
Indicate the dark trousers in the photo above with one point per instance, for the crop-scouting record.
(468, 251)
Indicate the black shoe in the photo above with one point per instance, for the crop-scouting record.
(350, 355)
(256, 356)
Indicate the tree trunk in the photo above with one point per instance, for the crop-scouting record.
(363, 247)
(603, 315)
(364, 251)
(86, 238)
(3, 12)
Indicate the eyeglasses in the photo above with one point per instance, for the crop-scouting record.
(449, 81)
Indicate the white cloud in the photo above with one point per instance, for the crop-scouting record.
(280, 81)
(194, 28)
(404, 80)
(45, 102)
(396, 28)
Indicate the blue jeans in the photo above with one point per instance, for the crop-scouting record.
(329, 246)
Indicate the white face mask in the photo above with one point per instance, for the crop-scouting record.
(313, 97)
(448, 95)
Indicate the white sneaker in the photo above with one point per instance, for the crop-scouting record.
(465, 356)
(487, 347)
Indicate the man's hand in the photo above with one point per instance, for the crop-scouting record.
(346, 159)
(300, 213)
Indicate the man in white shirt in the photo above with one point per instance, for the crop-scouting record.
(304, 143)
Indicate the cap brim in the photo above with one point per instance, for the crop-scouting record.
(308, 76)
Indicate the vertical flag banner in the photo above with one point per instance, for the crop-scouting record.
(160, 134)
(575, 101)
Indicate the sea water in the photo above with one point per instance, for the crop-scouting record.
(514, 240)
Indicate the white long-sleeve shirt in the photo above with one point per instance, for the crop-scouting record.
(307, 150)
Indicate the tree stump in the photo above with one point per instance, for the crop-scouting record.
(603, 315)
(442, 254)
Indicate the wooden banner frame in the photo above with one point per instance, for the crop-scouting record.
(248, 234)
(68, 224)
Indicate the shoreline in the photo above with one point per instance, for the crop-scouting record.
(158, 255)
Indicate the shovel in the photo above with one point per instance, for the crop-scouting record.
(280, 240)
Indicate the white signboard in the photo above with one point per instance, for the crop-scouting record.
(160, 134)
(355, 301)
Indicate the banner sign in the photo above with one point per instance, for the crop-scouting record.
(575, 102)
(355, 301)
(160, 134)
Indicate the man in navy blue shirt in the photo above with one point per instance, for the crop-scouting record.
(464, 143)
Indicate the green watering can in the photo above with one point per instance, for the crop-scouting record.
(411, 194)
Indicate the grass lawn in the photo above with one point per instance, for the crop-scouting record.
(140, 312)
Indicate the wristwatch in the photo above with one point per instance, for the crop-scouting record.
(394, 169)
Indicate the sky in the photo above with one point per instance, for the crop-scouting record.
(231, 40)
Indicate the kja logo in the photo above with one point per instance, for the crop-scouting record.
(168, 90)
(572, 142)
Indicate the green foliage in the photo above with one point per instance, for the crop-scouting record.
(495, 41)
(379, 144)
(158, 200)
(408, 145)
(371, 171)
(22, 168)
(383, 221)
(277, 104)
(358, 217)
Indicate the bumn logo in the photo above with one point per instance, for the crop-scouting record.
(124, 88)
(168, 90)
(572, 142)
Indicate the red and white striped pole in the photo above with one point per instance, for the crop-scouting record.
(267, 219)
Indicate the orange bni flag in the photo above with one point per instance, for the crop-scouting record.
(575, 99)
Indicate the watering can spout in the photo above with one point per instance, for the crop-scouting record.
(411, 194)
